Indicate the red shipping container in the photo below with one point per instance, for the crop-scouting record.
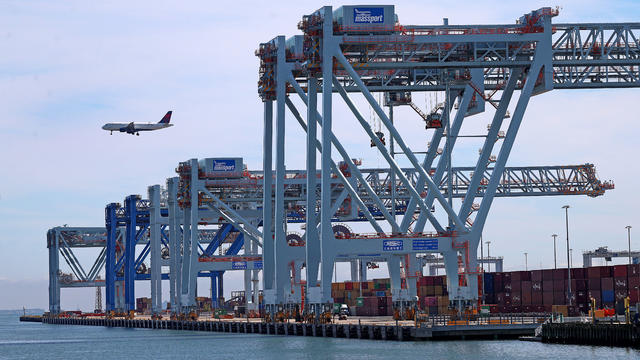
(536, 286)
(633, 270)
(634, 282)
(536, 275)
(365, 285)
(577, 273)
(547, 285)
(497, 283)
(526, 299)
(516, 309)
(620, 283)
(525, 275)
(634, 296)
(559, 298)
(559, 274)
(516, 300)
(439, 280)
(620, 271)
(431, 301)
(547, 298)
(559, 285)
(348, 285)
(606, 271)
(594, 284)
(516, 286)
(537, 298)
(429, 281)
(515, 277)
(593, 273)
(528, 309)
(606, 283)
(547, 274)
(581, 285)
(506, 276)
(507, 286)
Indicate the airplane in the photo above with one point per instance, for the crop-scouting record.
(135, 128)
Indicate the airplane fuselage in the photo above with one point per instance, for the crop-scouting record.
(135, 128)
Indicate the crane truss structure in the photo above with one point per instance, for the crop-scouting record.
(362, 50)
(145, 224)
(61, 241)
(604, 253)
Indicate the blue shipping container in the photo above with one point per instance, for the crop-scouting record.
(488, 284)
(380, 293)
(607, 296)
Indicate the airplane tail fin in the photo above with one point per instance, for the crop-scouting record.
(166, 118)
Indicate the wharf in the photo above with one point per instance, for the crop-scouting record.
(380, 330)
(31, 318)
(626, 335)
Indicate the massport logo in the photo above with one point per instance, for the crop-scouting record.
(368, 15)
(224, 165)
(392, 245)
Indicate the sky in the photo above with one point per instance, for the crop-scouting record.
(67, 67)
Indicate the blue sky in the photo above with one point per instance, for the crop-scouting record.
(67, 67)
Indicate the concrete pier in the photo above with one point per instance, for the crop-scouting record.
(592, 334)
(352, 331)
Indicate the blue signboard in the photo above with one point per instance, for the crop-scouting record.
(392, 245)
(224, 165)
(257, 264)
(239, 265)
(425, 244)
(368, 15)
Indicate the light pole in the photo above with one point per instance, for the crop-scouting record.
(526, 267)
(566, 211)
(555, 261)
(488, 254)
(628, 227)
(481, 254)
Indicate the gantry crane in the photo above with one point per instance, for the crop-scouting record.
(362, 50)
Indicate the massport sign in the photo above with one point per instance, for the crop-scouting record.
(368, 15)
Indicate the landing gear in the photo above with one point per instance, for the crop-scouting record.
(110, 132)
(137, 134)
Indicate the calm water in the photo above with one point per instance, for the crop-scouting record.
(39, 341)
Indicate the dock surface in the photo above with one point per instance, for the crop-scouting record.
(380, 330)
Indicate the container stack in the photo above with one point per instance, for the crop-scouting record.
(143, 305)
(536, 291)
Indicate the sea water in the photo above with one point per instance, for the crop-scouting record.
(41, 341)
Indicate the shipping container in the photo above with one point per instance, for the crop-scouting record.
(559, 274)
(559, 298)
(559, 285)
(536, 275)
(620, 283)
(620, 271)
(536, 286)
(606, 284)
(578, 274)
(608, 297)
